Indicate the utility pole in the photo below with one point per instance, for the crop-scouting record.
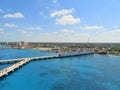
(88, 40)
(88, 43)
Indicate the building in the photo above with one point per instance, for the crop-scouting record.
(22, 44)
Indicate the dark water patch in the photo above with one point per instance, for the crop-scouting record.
(55, 71)
(89, 66)
(44, 67)
(3, 85)
(72, 73)
(43, 74)
(64, 67)
(66, 84)
(58, 86)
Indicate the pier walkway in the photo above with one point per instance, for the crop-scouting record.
(11, 60)
(6, 71)
(23, 61)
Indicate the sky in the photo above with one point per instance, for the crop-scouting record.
(60, 20)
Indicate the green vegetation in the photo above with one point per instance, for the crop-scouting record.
(114, 51)
(98, 48)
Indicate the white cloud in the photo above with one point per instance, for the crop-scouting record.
(55, 1)
(68, 31)
(115, 31)
(55, 32)
(111, 33)
(62, 12)
(92, 27)
(68, 19)
(25, 34)
(34, 28)
(1, 29)
(10, 25)
(22, 31)
(1, 32)
(61, 37)
(1, 10)
(107, 36)
(15, 15)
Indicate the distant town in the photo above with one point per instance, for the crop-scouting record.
(101, 48)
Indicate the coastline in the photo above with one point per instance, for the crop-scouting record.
(51, 49)
(112, 55)
(44, 49)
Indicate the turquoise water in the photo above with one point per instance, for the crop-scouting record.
(90, 72)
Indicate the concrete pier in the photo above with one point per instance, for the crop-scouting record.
(10, 61)
(6, 71)
(23, 61)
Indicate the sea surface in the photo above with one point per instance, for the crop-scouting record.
(90, 72)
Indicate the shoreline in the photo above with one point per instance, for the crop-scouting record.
(47, 49)
(112, 55)
(43, 49)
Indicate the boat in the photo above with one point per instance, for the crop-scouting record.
(77, 53)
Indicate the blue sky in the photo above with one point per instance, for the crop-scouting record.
(60, 20)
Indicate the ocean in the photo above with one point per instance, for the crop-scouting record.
(89, 72)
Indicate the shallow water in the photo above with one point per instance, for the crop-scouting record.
(90, 72)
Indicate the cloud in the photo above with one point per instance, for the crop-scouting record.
(22, 31)
(68, 19)
(68, 31)
(1, 29)
(107, 36)
(115, 31)
(112, 33)
(62, 12)
(1, 10)
(26, 34)
(54, 1)
(61, 37)
(55, 32)
(92, 27)
(34, 28)
(1, 32)
(10, 25)
(15, 15)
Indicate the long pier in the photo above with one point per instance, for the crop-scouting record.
(10, 60)
(23, 61)
(6, 71)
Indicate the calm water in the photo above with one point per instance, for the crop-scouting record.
(91, 72)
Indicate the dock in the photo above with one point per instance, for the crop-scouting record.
(23, 61)
(10, 60)
(6, 71)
